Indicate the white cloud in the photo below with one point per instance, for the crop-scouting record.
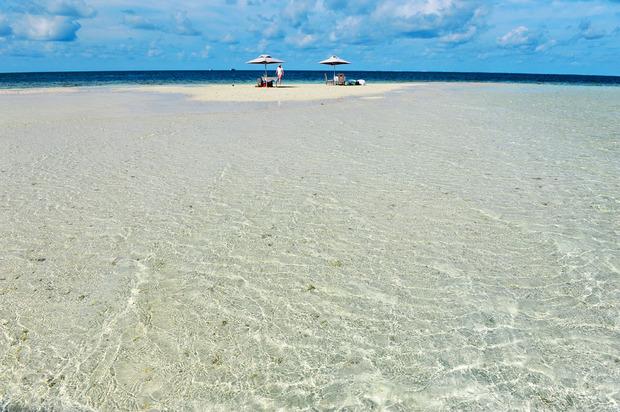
(380, 22)
(52, 20)
(262, 45)
(228, 39)
(297, 12)
(5, 28)
(302, 40)
(72, 8)
(588, 32)
(179, 23)
(462, 37)
(271, 31)
(525, 39)
(350, 28)
(46, 28)
(519, 36)
(154, 50)
(182, 25)
(429, 18)
(204, 53)
(139, 22)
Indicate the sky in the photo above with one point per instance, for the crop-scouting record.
(520, 36)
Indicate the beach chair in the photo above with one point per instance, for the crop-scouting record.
(328, 81)
(265, 81)
(342, 80)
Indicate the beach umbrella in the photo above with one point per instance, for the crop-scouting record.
(334, 61)
(265, 59)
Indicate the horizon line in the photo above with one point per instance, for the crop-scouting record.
(313, 70)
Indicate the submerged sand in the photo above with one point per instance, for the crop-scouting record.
(443, 247)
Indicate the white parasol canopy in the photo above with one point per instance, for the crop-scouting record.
(265, 59)
(334, 61)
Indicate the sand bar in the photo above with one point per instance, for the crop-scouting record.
(239, 92)
(293, 92)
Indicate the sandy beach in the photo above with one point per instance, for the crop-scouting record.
(429, 247)
(295, 92)
(286, 93)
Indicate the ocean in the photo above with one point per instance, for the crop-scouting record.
(102, 78)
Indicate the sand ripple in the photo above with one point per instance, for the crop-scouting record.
(453, 247)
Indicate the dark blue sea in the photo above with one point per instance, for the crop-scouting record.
(72, 79)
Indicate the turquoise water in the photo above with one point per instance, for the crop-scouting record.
(448, 247)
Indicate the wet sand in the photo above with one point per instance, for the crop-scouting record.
(442, 246)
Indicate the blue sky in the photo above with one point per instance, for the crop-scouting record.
(555, 36)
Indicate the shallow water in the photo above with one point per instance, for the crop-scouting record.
(447, 247)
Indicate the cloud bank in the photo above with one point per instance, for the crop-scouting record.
(484, 35)
(46, 28)
(53, 20)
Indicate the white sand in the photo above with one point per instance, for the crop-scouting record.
(449, 247)
(239, 92)
(294, 92)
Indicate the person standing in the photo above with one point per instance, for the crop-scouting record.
(280, 74)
